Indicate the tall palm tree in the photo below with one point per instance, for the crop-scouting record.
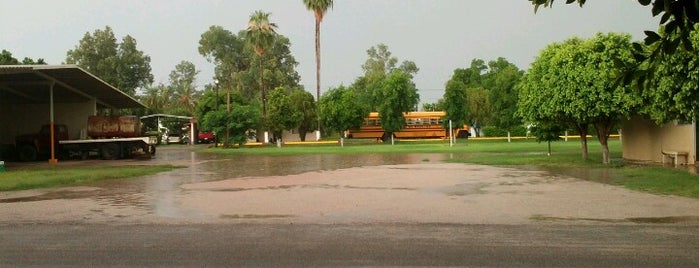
(319, 7)
(260, 34)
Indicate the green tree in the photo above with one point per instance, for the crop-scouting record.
(435, 106)
(282, 115)
(672, 92)
(261, 35)
(491, 92)
(678, 20)
(471, 77)
(6, 58)
(501, 80)
(398, 95)
(456, 103)
(237, 67)
(183, 85)
(119, 64)
(576, 81)
(340, 110)
(548, 132)
(227, 51)
(156, 98)
(237, 123)
(377, 67)
(478, 106)
(469, 82)
(304, 102)
(279, 66)
(319, 7)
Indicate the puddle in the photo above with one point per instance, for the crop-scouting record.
(158, 194)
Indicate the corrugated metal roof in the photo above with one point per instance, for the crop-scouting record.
(30, 84)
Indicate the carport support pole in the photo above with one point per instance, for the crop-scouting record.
(53, 159)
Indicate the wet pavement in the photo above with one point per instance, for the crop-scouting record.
(331, 189)
(330, 210)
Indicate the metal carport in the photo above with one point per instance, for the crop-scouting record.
(34, 95)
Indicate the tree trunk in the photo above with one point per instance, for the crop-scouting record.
(264, 98)
(603, 129)
(302, 134)
(227, 144)
(582, 129)
(318, 64)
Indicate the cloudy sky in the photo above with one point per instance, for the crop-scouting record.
(438, 35)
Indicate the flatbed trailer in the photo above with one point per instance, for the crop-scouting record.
(109, 148)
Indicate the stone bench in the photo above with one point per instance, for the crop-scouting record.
(674, 155)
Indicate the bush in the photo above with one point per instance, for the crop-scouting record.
(493, 131)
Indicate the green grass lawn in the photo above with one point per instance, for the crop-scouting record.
(62, 176)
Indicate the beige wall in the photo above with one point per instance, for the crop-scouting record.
(642, 140)
(28, 118)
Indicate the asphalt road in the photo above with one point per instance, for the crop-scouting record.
(529, 245)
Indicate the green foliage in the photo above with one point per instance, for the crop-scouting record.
(436, 106)
(6, 58)
(377, 67)
(183, 86)
(672, 91)
(156, 98)
(398, 95)
(547, 131)
(340, 110)
(121, 65)
(574, 83)
(456, 103)
(244, 116)
(260, 32)
(678, 22)
(478, 105)
(238, 67)
(281, 115)
(239, 122)
(228, 52)
(501, 80)
(305, 104)
(319, 7)
(487, 92)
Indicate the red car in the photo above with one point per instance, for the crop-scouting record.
(206, 137)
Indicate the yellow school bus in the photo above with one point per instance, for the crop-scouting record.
(419, 125)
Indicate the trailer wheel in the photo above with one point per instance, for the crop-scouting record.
(109, 151)
(27, 153)
(151, 149)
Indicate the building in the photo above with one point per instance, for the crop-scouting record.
(645, 141)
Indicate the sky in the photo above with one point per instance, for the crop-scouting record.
(438, 35)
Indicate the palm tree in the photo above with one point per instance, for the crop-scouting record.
(319, 7)
(260, 34)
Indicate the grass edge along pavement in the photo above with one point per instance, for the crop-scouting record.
(518, 153)
(56, 176)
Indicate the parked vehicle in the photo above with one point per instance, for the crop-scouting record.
(418, 125)
(110, 137)
(172, 137)
(206, 137)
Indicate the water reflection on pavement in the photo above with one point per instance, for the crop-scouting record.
(159, 193)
